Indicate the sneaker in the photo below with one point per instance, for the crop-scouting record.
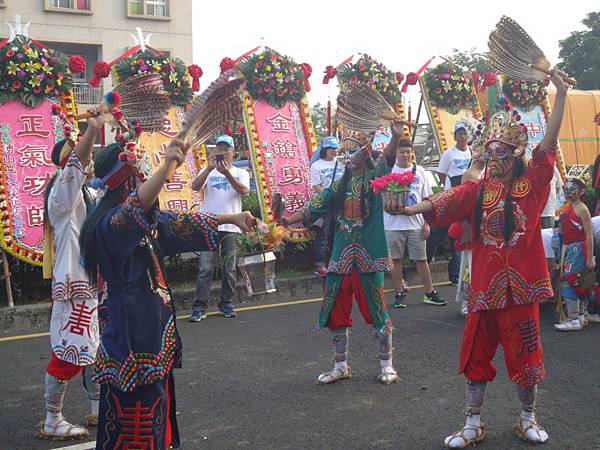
(569, 325)
(197, 316)
(227, 311)
(321, 271)
(405, 287)
(433, 298)
(453, 281)
(592, 318)
(399, 300)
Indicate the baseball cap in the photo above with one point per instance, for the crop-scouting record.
(459, 126)
(225, 139)
(329, 142)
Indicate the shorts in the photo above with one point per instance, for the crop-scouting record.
(399, 240)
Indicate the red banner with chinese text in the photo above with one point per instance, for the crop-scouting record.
(177, 195)
(26, 140)
(282, 141)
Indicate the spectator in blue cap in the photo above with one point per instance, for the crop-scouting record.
(323, 172)
(223, 185)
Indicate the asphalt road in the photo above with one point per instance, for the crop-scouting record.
(248, 383)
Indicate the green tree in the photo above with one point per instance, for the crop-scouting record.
(319, 117)
(471, 60)
(580, 53)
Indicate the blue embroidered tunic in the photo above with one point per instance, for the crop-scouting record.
(140, 344)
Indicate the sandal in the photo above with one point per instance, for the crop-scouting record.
(388, 377)
(539, 434)
(91, 420)
(479, 432)
(71, 432)
(334, 375)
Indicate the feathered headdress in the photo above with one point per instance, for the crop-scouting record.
(502, 125)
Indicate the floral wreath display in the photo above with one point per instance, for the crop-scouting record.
(275, 78)
(31, 72)
(448, 87)
(525, 94)
(173, 71)
(380, 78)
(259, 161)
(64, 110)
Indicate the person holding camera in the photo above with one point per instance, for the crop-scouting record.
(223, 185)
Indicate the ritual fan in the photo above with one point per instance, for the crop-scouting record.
(142, 98)
(219, 104)
(359, 107)
(513, 52)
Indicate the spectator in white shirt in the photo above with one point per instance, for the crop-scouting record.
(323, 172)
(223, 185)
(548, 215)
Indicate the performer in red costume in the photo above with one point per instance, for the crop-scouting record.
(509, 270)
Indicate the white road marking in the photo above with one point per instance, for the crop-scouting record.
(84, 446)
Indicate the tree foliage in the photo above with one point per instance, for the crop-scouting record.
(471, 60)
(580, 53)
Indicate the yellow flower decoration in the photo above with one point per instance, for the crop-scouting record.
(278, 75)
(33, 54)
(156, 66)
(447, 86)
(268, 68)
(46, 69)
(172, 77)
(12, 68)
(35, 81)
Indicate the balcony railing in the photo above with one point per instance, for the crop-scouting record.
(86, 94)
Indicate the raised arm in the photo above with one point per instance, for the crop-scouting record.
(390, 150)
(84, 147)
(558, 109)
(199, 182)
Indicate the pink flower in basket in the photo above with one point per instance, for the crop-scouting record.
(394, 182)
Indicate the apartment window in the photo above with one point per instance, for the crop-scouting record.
(77, 6)
(148, 8)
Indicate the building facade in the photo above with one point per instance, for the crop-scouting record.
(100, 30)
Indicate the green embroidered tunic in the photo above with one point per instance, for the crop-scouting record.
(357, 242)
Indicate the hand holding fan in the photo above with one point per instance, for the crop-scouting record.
(141, 98)
(359, 107)
(513, 52)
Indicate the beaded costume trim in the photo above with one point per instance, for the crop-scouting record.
(138, 369)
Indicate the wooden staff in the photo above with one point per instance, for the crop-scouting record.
(6, 277)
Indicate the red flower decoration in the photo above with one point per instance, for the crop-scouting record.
(412, 78)
(101, 70)
(399, 77)
(77, 64)
(330, 72)
(195, 72)
(489, 79)
(597, 119)
(226, 64)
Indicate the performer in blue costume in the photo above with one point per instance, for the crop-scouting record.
(124, 238)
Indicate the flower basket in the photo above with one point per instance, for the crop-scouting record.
(258, 271)
(256, 260)
(393, 202)
(394, 189)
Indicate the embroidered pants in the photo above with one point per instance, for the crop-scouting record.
(517, 328)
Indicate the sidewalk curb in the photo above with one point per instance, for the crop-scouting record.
(37, 316)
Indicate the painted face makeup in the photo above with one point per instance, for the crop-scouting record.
(572, 189)
(353, 153)
(500, 157)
